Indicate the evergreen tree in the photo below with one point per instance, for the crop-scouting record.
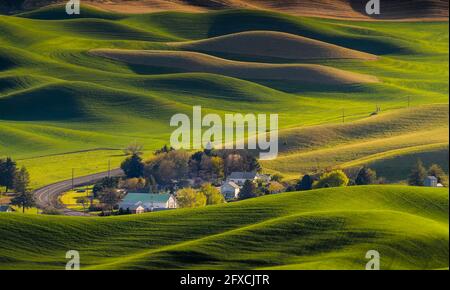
(305, 184)
(418, 174)
(21, 180)
(254, 165)
(7, 173)
(133, 166)
(24, 198)
(248, 190)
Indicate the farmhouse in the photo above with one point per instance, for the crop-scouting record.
(230, 190)
(241, 177)
(145, 202)
(431, 181)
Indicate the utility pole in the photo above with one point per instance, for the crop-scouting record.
(343, 115)
(109, 169)
(409, 101)
(73, 177)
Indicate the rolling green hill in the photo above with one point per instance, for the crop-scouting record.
(56, 97)
(389, 142)
(75, 90)
(320, 229)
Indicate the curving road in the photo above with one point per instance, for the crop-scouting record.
(48, 196)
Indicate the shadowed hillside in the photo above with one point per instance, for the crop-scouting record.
(346, 9)
(196, 62)
(273, 45)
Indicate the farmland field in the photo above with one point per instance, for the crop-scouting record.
(108, 95)
(349, 90)
(321, 229)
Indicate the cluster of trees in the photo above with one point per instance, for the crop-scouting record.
(251, 189)
(106, 192)
(207, 194)
(367, 176)
(336, 178)
(18, 179)
(419, 173)
(168, 165)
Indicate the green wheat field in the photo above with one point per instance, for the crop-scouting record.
(75, 90)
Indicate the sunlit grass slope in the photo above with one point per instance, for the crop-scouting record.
(398, 137)
(320, 229)
(56, 97)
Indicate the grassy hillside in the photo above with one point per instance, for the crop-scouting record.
(56, 97)
(390, 142)
(321, 229)
(176, 61)
(283, 46)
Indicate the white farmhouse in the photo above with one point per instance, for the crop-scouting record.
(230, 190)
(431, 181)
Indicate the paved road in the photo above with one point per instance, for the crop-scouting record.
(48, 196)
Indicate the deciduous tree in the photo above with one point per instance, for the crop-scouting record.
(436, 171)
(134, 148)
(213, 195)
(190, 198)
(366, 176)
(24, 200)
(275, 187)
(336, 178)
(109, 198)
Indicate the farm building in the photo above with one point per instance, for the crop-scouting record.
(145, 202)
(241, 177)
(230, 190)
(431, 181)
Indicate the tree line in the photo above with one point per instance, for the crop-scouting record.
(168, 165)
(13, 178)
(419, 173)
